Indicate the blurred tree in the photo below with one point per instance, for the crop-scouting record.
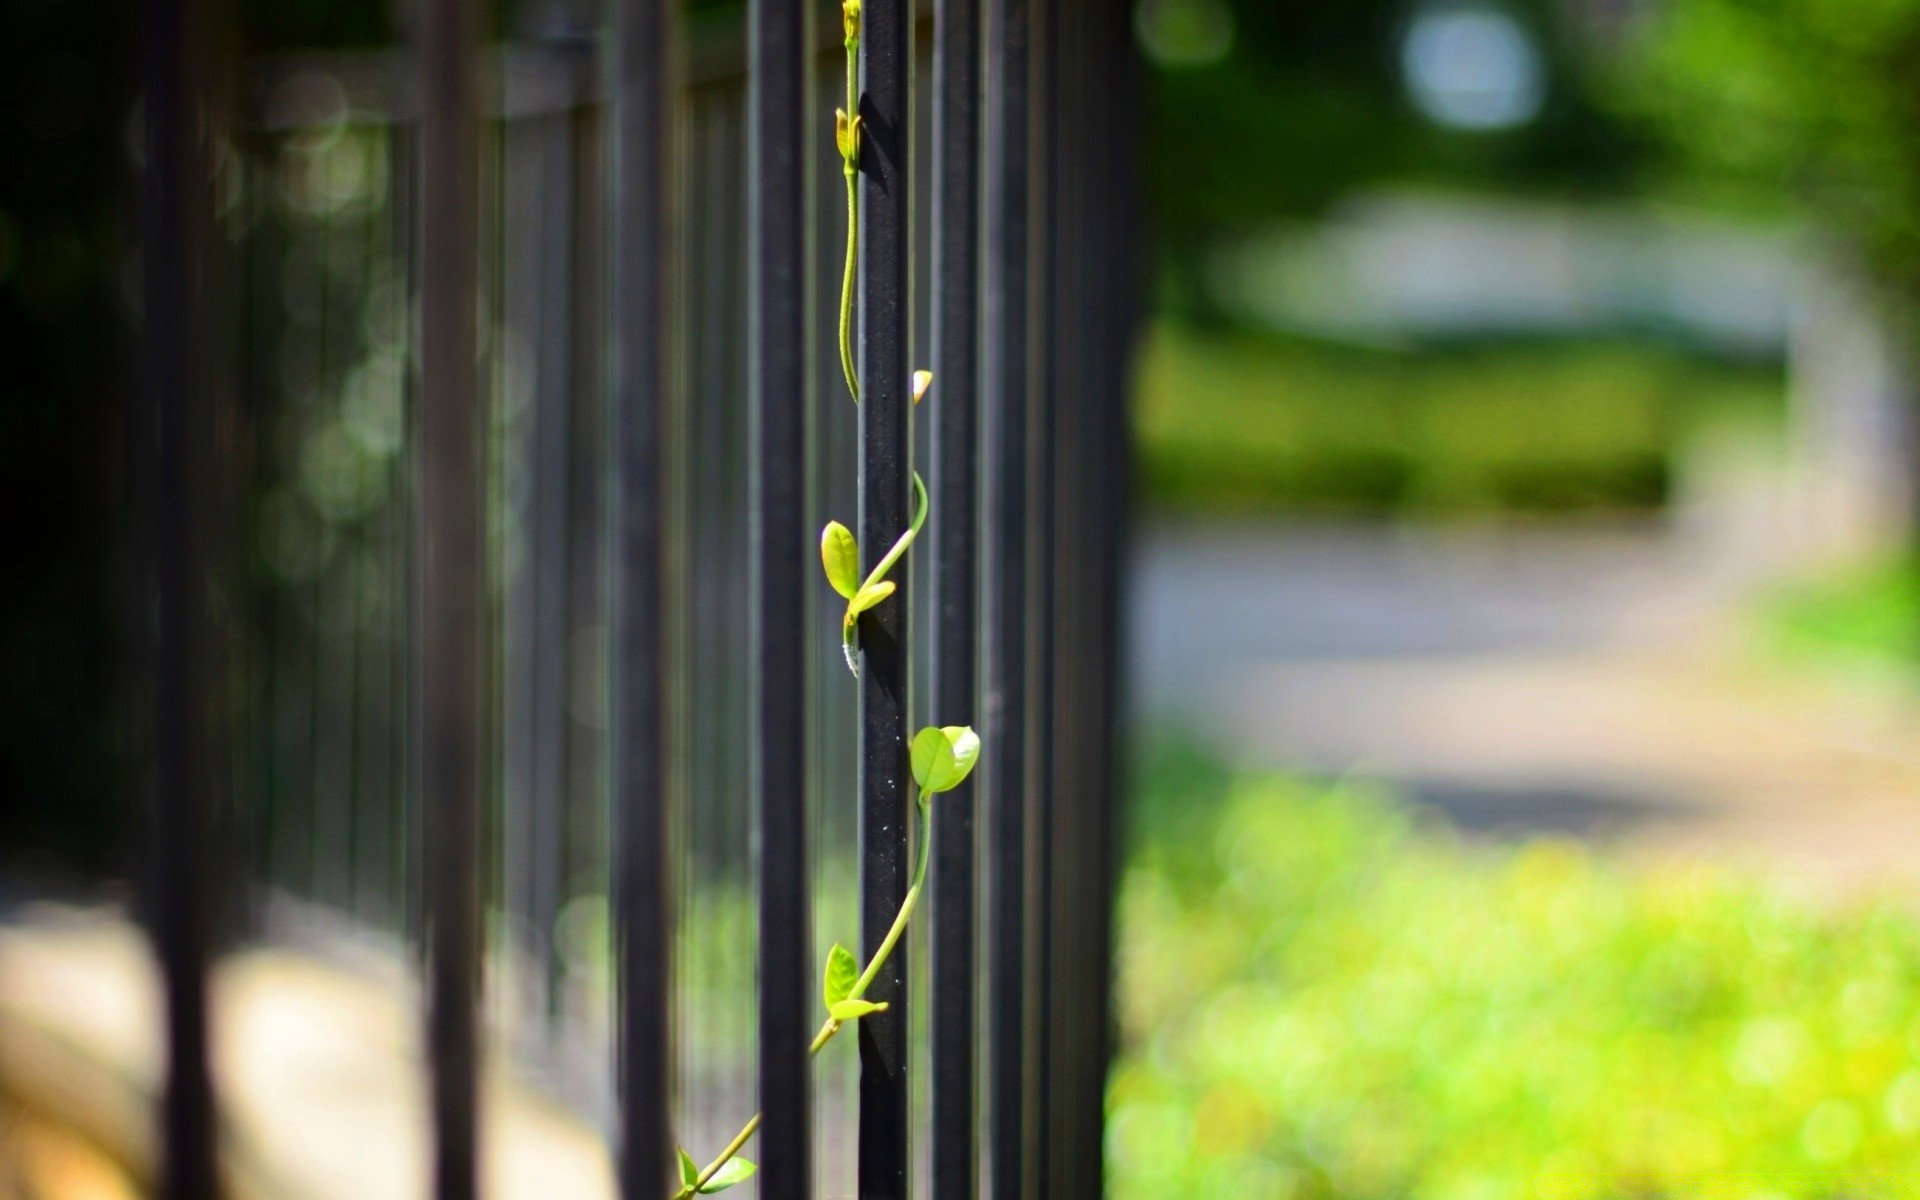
(1259, 111)
(1793, 106)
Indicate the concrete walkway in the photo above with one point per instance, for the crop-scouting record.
(318, 1066)
(1592, 682)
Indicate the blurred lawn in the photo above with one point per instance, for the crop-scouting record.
(1867, 618)
(1323, 996)
(1240, 422)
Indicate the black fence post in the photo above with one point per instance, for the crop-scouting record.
(955, 532)
(779, 88)
(643, 90)
(1092, 295)
(886, 422)
(172, 451)
(451, 548)
(1007, 282)
(1050, 367)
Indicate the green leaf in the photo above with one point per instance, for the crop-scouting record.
(853, 1010)
(842, 973)
(736, 1170)
(840, 553)
(869, 596)
(943, 757)
(689, 1170)
(932, 756)
(966, 752)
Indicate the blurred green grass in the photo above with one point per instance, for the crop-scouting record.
(1866, 618)
(1323, 995)
(1238, 422)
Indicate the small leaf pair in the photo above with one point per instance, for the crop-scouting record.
(843, 975)
(846, 135)
(943, 757)
(735, 1170)
(840, 555)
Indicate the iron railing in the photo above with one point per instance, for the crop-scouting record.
(562, 308)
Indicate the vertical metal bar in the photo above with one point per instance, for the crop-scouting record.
(406, 821)
(585, 835)
(886, 421)
(450, 484)
(779, 51)
(553, 547)
(956, 338)
(1055, 466)
(1092, 309)
(1004, 659)
(1114, 53)
(1044, 570)
(643, 241)
(1064, 463)
(175, 209)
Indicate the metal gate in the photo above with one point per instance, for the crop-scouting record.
(489, 418)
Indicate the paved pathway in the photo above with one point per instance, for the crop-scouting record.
(1580, 681)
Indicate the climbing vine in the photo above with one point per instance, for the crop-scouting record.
(941, 756)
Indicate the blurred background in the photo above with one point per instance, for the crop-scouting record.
(1524, 618)
(1525, 772)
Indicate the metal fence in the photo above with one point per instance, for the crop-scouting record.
(489, 421)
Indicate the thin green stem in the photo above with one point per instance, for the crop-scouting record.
(850, 167)
(832, 1027)
(879, 572)
(726, 1156)
(905, 540)
(907, 904)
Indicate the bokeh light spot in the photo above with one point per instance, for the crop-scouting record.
(1473, 67)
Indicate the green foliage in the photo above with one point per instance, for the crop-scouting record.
(1324, 996)
(1867, 618)
(1237, 422)
(867, 597)
(1807, 101)
(1308, 104)
(943, 757)
(840, 554)
(733, 1171)
(842, 970)
(1305, 104)
(853, 1010)
(844, 984)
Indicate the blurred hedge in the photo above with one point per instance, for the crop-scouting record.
(1238, 422)
(1323, 996)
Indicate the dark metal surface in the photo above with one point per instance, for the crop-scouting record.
(954, 529)
(779, 88)
(886, 422)
(644, 116)
(450, 545)
(1007, 285)
(702, 517)
(1053, 367)
(1092, 300)
(172, 445)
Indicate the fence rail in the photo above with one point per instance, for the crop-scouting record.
(521, 405)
